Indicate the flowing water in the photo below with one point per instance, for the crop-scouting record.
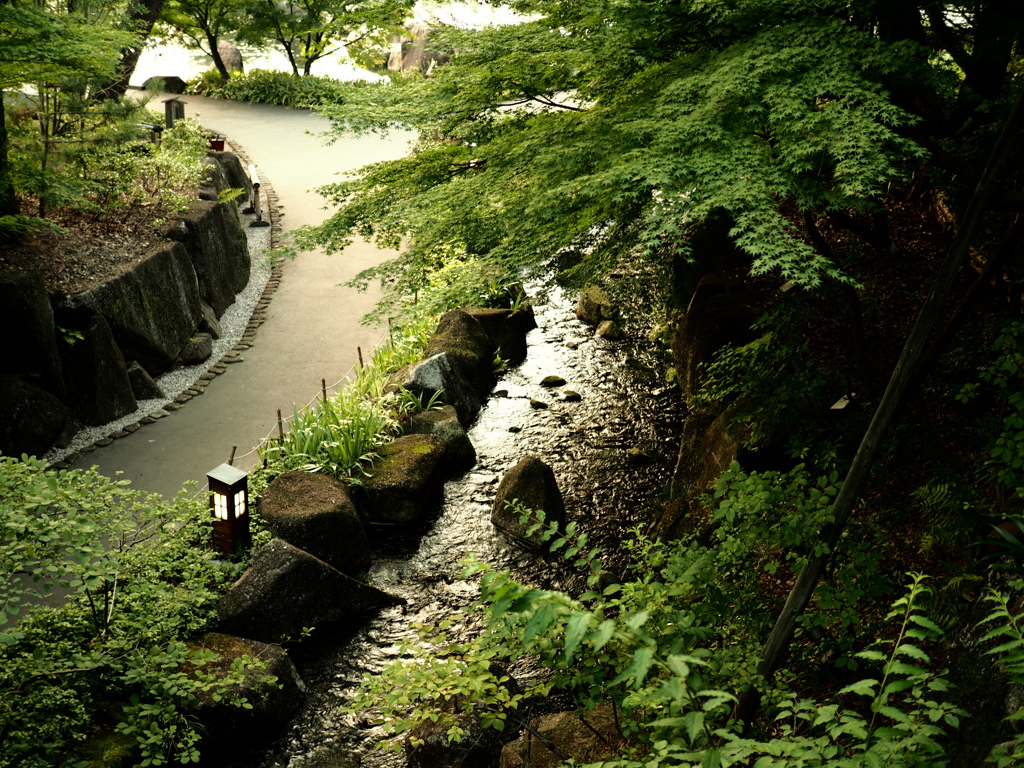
(608, 488)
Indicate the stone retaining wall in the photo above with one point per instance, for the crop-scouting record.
(66, 350)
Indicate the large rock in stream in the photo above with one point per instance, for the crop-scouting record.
(468, 347)
(286, 590)
(272, 704)
(532, 484)
(406, 480)
(459, 453)
(314, 512)
(594, 305)
(586, 738)
(437, 377)
(507, 329)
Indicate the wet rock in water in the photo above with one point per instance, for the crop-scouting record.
(507, 329)
(587, 738)
(569, 396)
(314, 512)
(406, 479)
(552, 381)
(594, 305)
(285, 590)
(143, 385)
(479, 747)
(438, 376)
(470, 350)
(532, 483)
(610, 330)
(538, 405)
(226, 725)
(637, 456)
(444, 423)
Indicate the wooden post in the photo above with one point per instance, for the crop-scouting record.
(231, 461)
(323, 388)
(360, 351)
(280, 425)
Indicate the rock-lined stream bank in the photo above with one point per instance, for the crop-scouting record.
(609, 433)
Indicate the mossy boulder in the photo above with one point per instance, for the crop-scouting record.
(436, 376)
(532, 483)
(587, 737)
(227, 725)
(594, 305)
(286, 590)
(405, 482)
(459, 454)
(315, 513)
(507, 329)
(468, 347)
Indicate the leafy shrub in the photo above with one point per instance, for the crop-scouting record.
(671, 649)
(144, 182)
(1004, 377)
(100, 164)
(269, 87)
(138, 581)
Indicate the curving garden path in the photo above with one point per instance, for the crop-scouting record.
(312, 328)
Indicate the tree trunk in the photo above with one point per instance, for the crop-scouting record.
(142, 15)
(985, 70)
(782, 633)
(218, 62)
(8, 200)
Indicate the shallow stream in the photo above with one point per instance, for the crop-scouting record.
(608, 489)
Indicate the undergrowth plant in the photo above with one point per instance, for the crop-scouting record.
(105, 587)
(95, 160)
(671, 648)
(339, 436)
(1003, 378)
(768, 383)
(270, 87)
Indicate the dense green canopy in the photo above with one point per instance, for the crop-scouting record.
(615, 126)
